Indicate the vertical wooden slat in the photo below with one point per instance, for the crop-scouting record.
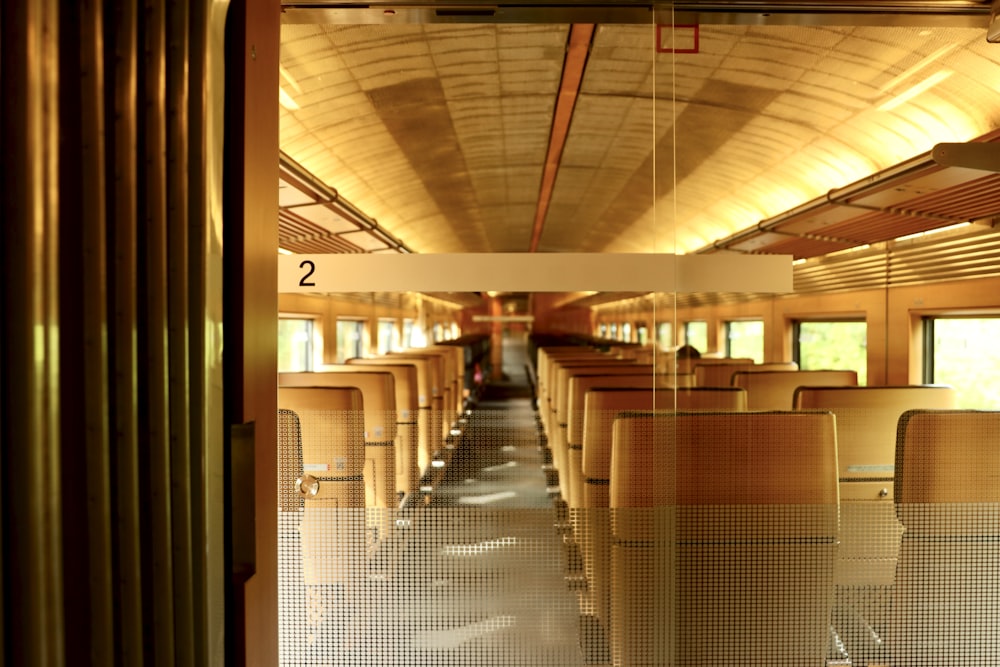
(33, 601)
(177, 231)
(197, 180)
(85, 478)
(122, 59)
(208, 124)
(154, 425)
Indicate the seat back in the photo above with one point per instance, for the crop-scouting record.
(579, 385)
(591, 465)
(774, 390)
(945, 607)
(870, 533)
(546, 360)
(456, 369)
(688, 365)
(725, 536)
(425, 400)
(332, 483)
(602, 406)
(444, 384)
(560, 374)
(289, 461)
(721, 375)
(558, 367)
(378, 393)
(407, 408)
(867, 418)
(431, 417)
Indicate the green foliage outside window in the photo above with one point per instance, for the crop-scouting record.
(746, 339)
(295, 345)
(967, 357)
(696, 334)
(834, 345)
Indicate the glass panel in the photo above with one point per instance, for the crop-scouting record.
(295, 345)
(745, 340)
(967, 357)
(472, 567)
(834, 345)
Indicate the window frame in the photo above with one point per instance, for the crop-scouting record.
(797, 333)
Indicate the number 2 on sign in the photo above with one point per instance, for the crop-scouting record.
(305, 282)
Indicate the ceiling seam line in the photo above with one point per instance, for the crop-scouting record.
(578, 46)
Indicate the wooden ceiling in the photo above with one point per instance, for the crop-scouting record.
(482, 135)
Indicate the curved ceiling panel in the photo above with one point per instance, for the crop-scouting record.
(440, 132)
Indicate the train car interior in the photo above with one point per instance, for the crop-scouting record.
(495, 333)
(862, 147)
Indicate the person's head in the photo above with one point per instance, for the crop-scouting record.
(688, 352)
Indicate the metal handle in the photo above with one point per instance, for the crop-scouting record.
(883, 493)
(307, 485)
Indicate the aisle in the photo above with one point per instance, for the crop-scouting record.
(476, 576)
(487, 545)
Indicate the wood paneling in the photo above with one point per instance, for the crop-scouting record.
(250, 239)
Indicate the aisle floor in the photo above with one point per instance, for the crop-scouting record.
(475, 576)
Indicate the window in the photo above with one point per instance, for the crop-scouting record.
(295, 344)
(350, 339)
(696, 334)
(962, 352)
(665, 335)
(413, 334)
(613, 331)
(745, 339)
(642, 333)
(438, 332)
(602, 330)
(841, 344)
(626, 332)
(408, 333)
(388, 336)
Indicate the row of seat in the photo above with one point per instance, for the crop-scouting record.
(866, 419)
(725, 539)
(371, 435)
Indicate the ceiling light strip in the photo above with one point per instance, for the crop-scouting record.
(577, 49)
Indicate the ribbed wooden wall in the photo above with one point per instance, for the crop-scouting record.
(113, 423)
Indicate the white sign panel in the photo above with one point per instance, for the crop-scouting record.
(534, 272)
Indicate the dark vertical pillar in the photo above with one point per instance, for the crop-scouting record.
(251, 241)
(85, 474)
(496, 338)
(121, 44)
(33, 630)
